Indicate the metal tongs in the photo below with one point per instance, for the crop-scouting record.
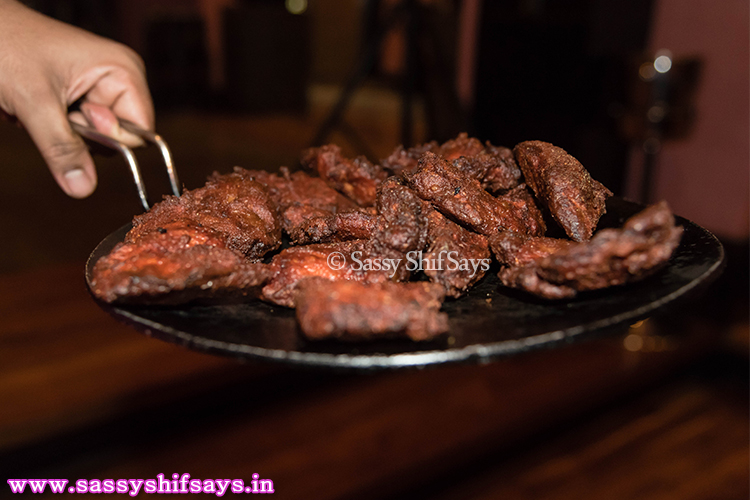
(127, 153)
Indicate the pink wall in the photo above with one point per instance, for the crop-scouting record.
(706, 177)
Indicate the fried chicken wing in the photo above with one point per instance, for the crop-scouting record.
(612, 257)
(357, 311)
(300, 198)
(456, 258)
(349, 261)
(462, 198)
(562, 185)
(357, 178)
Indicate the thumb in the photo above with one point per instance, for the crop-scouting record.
(64, 151)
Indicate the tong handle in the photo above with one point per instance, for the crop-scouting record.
(127, 153)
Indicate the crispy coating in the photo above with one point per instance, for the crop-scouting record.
(514, 249)
(300, 198)
(235, 207)
(403, 222)
(202, 244)
(462, 198)
(357, 178)
(469, 251)
(344, 226)
(562, 185)
(398, 222)
(493, 166)
(400, 226)
(349, 261)
(612, 257)
(176, 264)
(346, 278)
(405, 160)
(356, 311)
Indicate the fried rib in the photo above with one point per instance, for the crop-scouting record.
(562, 185)
(357, 178)
(300, 198)
(198, 245)
(348, 261)
(355, 311)
(463, 199)
(612, 257)
(456, 258)
(494, 167)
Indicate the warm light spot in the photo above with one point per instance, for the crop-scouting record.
(638, 324)
(656, 113)
(296, 6)
(633, 342)
(646, 72)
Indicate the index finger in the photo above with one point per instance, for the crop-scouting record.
(127, 95)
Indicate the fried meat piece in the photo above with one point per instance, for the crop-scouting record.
(199, 245)
(175, 264)
(399, 227)
(403, 222)
(398, 222)
(349, 261)
(357, 178)
(456, 258)
(612, 257)
(514, 249)
(405, 160)
(493, 166)
(575, 200)
(463, 199)
(300, 198)
(344, 226)
(358, 311)
(236, 208)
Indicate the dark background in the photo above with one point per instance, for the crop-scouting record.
(659, 411)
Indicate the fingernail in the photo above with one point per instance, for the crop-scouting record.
(79, 184)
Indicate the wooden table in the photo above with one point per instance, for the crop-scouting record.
(84, 396)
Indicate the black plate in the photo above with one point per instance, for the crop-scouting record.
(489, 322)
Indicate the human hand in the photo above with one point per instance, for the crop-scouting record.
(45, 66)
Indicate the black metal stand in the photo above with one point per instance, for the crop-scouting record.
(411, 14)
